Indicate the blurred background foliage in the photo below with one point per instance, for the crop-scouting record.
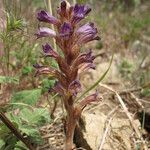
(124, 26)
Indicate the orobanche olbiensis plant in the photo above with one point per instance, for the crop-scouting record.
(70, 35)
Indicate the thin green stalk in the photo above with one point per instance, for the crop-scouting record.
(52, 26)
(143, 119)
(8, 58)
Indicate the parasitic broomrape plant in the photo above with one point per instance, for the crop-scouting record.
(70, 36)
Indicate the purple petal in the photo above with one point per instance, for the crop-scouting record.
(75, 87)
(84, 58)
(66, 31)
(84, 61)
(45, 17)
(48, 51)
(79, 12)
(87, 38)
(45, 32)
(87, 28)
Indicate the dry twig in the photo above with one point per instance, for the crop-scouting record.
(107, 128)
(128, 115)
(137, 100)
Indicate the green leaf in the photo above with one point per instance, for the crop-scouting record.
(14, 119)
(4, 131)
(11, 139)
(32, 133)
(37, 117)
(2, 143)
(146, 92)
(27, 96)
(46, 84)
(5, 79)
(21, 104)
(20, 146)
(26, 70)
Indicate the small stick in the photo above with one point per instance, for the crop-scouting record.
(107, 128)
(134, 89)
(13, 129)
(105, 134)
(130, 90)
(137, 100)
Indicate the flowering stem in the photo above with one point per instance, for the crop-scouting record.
(69, 37)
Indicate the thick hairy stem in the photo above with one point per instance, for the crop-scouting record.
(70, 125)
(70, 128)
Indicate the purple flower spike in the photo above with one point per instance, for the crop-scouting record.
(87, 33)
(45, 32)
(79, 13)
(45, 17)
(75, 87)
(66, 31)
(49, 52)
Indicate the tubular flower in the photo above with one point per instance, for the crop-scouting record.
(89, 99)
(86, 33)
(44, 70)
(43, 16)
(75, 87)
(45, 32)
(84, 58)
(49, 52)
(79, 13)
(84, 67)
